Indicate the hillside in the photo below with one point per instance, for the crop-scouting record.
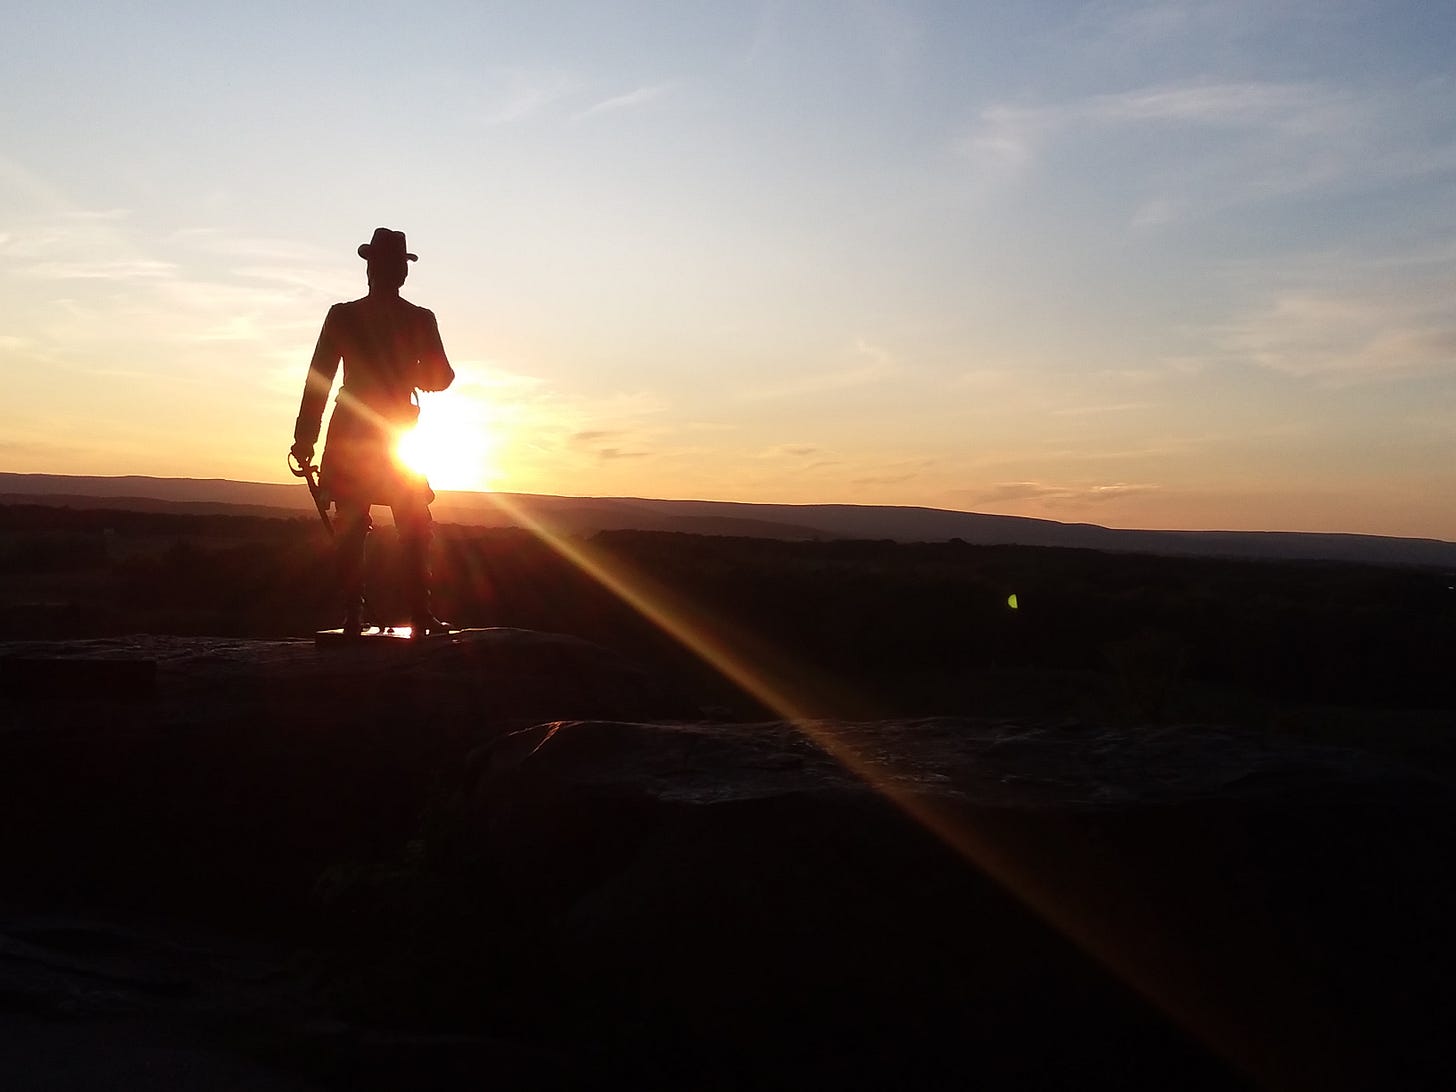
(589, 515)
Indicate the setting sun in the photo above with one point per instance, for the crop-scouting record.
(452, 444)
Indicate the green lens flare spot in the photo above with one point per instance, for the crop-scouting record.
(1011, 601)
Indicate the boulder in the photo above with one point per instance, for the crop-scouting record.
(246, 758)
(974, 902)
(646, 898)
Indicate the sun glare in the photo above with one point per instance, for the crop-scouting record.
(453, 444)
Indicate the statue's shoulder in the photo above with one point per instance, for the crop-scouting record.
(418, 311)
(347, 314)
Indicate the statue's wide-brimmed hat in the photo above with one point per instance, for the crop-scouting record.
(386, 244)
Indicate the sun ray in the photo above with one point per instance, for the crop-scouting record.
(1118, 944)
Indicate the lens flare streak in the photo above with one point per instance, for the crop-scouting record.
(1120, 946)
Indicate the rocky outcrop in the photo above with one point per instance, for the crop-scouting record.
(456, 880)
(1019, 906)
(246, 758)
(480, 676)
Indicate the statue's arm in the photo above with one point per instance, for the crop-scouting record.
(321, 371)
(434, 371)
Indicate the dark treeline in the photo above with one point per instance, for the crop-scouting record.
(849, 627)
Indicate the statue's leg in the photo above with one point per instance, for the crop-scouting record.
(351, 530)
(416, 533)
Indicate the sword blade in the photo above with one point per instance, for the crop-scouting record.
(321, 504)
(310, 475)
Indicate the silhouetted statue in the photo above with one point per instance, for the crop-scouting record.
(390, 349)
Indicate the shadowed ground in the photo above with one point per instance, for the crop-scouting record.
(261, 865)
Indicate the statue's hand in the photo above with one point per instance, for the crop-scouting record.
(302, 450)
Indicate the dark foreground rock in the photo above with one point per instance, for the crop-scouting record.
(987, 904)
(251, 759)
(283, 869)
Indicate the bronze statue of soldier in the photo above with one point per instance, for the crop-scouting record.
(390, 350)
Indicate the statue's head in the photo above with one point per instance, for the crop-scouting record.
(388, 258)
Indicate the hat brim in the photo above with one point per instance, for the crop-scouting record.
(366, 248)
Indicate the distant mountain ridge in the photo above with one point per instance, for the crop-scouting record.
(587, 515)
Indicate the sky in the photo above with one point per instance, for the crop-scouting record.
(1178, 265)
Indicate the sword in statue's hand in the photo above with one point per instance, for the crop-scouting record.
(304, 468)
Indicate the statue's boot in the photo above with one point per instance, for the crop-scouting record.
(349, 560)
(416, 550)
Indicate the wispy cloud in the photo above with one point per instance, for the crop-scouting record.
(314, 281)
(896, 472)
(1134, 26)
(987, 378)
(1346, 317)
(41, 453)
(1144, 448)
(790, 451)
(886, 479)
(1060, 494)
(593, 435)
(1204, 146)
(612, 445)
(37, 190)
(1099, 409)
(638, 97)
(97, 280)
(608, 454)
(68, 235)
(514, 94)
(98, 215)
(1007, 135)
(141, 376)
(1293, 108)
(491, 380)
(1069, 393)
(261, 248)
(870, 363)
(618, 426)
(120, 269)
(606, 444)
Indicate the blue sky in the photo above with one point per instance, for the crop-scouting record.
(1141, 264)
